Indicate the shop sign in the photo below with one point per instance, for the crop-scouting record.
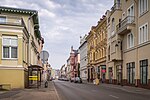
(33, 78)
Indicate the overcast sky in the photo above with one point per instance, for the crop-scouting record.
(62, 22)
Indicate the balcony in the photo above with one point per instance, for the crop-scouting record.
(117, 55)
(125, 25)
(11, 21)
(116, 6)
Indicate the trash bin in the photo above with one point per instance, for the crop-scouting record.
(46, 84)
(97, 81)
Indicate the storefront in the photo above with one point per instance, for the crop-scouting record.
(103, 73)
(34, 76)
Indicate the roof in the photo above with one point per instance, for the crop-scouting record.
(35, 67)
(32, 13)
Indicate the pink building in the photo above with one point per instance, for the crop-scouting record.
(74, 62)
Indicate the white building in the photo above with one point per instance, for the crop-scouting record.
(83, 58)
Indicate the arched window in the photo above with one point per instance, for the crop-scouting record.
(130, 40)
(103, 52)
(113, 25)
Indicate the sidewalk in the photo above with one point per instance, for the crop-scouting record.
(127, 88)
(42, 93)
(124, 88)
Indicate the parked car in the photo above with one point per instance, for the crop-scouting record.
(72, 79)
(63, 79)
(78, 80)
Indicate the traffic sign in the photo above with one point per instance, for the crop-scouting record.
(44, 55)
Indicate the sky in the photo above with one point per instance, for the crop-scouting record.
(62, 22)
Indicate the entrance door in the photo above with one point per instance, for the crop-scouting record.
(91, 74)
(119, 74)
(110, 74)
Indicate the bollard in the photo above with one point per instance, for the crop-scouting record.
(46, 84)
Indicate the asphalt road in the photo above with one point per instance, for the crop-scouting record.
(76, 91)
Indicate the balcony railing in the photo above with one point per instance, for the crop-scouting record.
(17, 21)
(116, 6)
(129, 20)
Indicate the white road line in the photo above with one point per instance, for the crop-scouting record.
(114, 96)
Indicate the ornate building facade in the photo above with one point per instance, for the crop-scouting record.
(20, 45)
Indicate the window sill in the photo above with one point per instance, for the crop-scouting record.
(9, 58)
(143, 14)
(136, 47)
(143, 44)
(113, 52)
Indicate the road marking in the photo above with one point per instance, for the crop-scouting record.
(114, 96)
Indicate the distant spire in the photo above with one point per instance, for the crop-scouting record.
(80, 39)
(71, 48)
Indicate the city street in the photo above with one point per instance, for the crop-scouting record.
(75, 91)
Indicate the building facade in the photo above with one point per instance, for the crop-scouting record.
(63, 71)
(96, 51)
(114, 57)
(91, 54)
(20, 45)
(74, 63)
(68, 68)
(128, 37)
(100, 38)
(83, 58)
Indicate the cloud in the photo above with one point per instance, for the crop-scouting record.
(45, 12)
(62, 22)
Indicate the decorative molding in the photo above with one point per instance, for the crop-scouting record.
(15, 30)
(12, 68)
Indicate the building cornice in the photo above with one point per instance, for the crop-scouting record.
(32, 13)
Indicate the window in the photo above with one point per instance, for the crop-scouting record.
(123, 15)
(117, 4)
(143, 33)
(113, 25)
(103, 52)
(110, 74)
(144, 71)
(130, 14)
(143, 6)
(109, 33)
(109, 53)
(2, 19)
(130, 40)
(113, 47)
(10, 47)
(131, 72)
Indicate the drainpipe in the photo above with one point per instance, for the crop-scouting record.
(29, 31)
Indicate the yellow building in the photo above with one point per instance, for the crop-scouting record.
(97, 44)
(100, 37)
(20, 45)
(91, 54)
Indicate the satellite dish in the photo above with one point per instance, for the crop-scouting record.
(44, 55)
